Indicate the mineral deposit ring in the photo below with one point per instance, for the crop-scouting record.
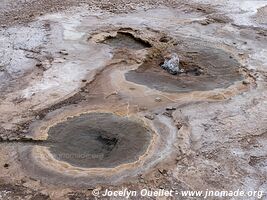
(97, 148)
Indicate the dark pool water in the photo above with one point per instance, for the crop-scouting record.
(98, 140)
(219, 70)
(126, 40)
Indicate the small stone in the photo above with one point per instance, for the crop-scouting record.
(179, 125)
(12, 138)
(163, 172)
(170, 108)
(141, 180)
(204, 22)
(162, 187)
(3, 138)
(98, 188)
(58, 60)
(64, 52)
(168, 114)
(39, 64)
(6, 165)
(151, 117)
(142, 108)
(23, 180)
(246, 82)
(37, 117)
(158, 99)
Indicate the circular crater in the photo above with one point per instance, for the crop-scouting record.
(122, 39)
(126, 40)
(98, 140)
(205, 68)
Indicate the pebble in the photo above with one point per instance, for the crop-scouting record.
(98, 188)
(204, 22)
(151, 117)
(162, 187)
(158, 99)
(246, 82)
(58, 60)
(179, 125)
(163, 172)
(141, 180)
(168, 114)
(142, 108)
(170, 108)
(39, 64)
(64, 52)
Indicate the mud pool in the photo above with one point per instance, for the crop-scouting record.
(205, 67)
(126, 40)
(98, 140)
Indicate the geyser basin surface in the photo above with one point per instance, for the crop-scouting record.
(206, 68)
(98, 140)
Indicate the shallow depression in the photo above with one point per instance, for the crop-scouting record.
(126, 40)
(206, 68)
(98, 140)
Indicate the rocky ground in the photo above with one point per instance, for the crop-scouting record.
(61, 59)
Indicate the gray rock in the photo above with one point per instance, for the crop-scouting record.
(64, 52)
(246, 82)
(151, 117)
(158, 99)
(172, 65)
(170, 108)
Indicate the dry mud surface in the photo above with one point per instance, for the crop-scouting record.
(85, 103)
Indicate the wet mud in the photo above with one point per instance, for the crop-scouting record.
(98, 140)
(126, 40)
(205, 68)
